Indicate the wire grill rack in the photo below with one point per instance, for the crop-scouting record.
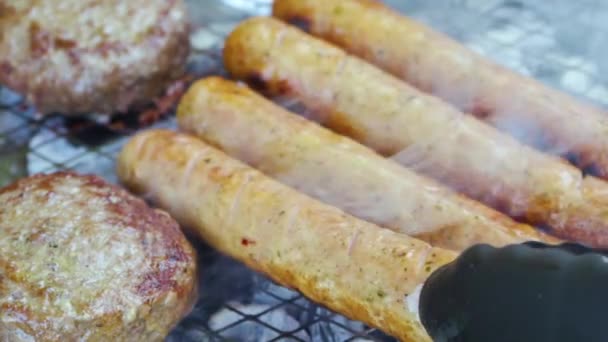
(558, 44)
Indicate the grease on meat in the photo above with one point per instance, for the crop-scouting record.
(84, 260)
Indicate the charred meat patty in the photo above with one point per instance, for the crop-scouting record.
(83, 260)
(81, 56)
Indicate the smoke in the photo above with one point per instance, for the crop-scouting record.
(581, 32)
(252, 7)
(458, 18)
(562, 43)
(8, 98)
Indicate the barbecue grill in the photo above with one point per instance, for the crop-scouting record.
(560, 45)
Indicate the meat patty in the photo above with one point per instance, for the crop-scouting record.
(80, 56)
(83, 260)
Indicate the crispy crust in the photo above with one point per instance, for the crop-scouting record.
(437, 64)
(339, 171)
(420, 131)
(84, 260)
(349, 265)
(77, 57)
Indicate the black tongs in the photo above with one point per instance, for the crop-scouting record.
(527, 292)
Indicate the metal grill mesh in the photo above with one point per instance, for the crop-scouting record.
(236, 303)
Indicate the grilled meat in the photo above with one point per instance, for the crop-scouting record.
(82, 260)
(338, 170)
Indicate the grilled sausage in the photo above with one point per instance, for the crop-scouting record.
(420, 131)
(489, 294)
(437, 64)
(351, 266)
(339, 171)
(83, 260)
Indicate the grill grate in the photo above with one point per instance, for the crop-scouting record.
(237, 304)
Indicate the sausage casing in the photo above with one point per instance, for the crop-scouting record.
(433, 62)
(349, 265)
(418, 130)
(338, 170)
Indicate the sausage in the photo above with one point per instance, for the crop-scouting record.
(437, 64)
(339, 171)
(353, 267)
(420, 131)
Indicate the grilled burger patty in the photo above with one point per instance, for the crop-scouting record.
(79, 56)
(84, 260)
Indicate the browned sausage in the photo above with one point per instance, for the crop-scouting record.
(437, 64)
(339, 171)
(418, 130)
(354, 267)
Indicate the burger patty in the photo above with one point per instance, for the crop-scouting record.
(83, 260)
(80, 56)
